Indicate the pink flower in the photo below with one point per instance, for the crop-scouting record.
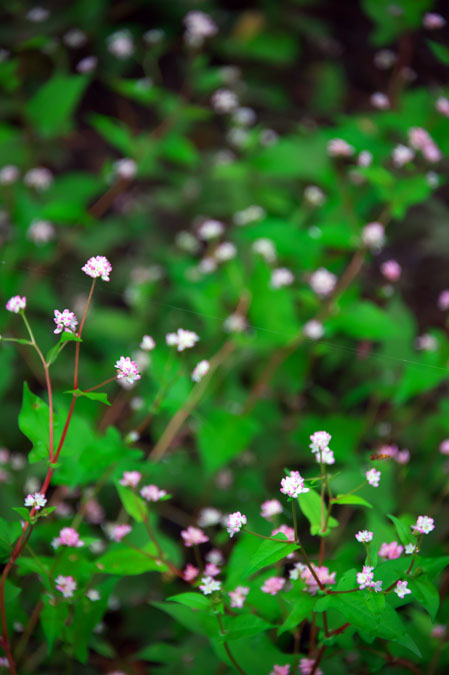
(99, 266)
(302, 571)
(432, 21)
(320, 441)
(365, 577)
(65, 321)
(235, 522)
(66, 585)
(215, 556)
(337, 147)
(373, 477)
(293, 485)
(306, 667)
(68, 537)
(273, 585)
(391, 551)
(190, 572)
(403, 456)
(193, 536)
(127, 370)
(199, 26)
(272, 507)
(212, 570)
(280, 670)
(438, 631)
(401, 589)
(120, 531)
(391, 270)
(364, 536)
(209, 585)
(444, 447)
(238, 596)
(443, 300)
(36, 501)
(285, 529)
(152, 493)
(424, 525)
(16, 304)
(442, 105)
(130, 478)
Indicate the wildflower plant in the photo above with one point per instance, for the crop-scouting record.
(231, 449)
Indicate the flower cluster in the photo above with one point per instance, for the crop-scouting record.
(130, 479)
(67, 537)
(293, 485)
(401, 589)
(238, 596)
(364, 536)
(65, 321)
(16, 304)
(66, 585)
(98, 266)
(235, 522)
(273, 585)
(193, 536)
(127, 370)
(182, 339)
(270, 508)
(320, 447)
(424, 525)
(152, 493)
(36, 501)
(200, 370)
(373, 477)
(120, 531)
(365, 579)
(391, 551)
(209, 585)
(301, 571)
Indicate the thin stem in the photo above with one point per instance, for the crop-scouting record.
(295, 521)
(318, 659)
(262, 536)
(97, 386)
(78, 344)
(226, 646)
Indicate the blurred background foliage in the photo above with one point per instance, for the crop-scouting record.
(306, 70)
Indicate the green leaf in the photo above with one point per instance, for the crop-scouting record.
(351, 499)
(310, 505)
(124, 561)
(115, 132)
(365, 320)
(132, 503)
(403, 531)
(9, 533)
(302, 609)
(268, 553)
(52, 107)
(53, 618)
(440, 51)
(193, 600)
(244, 626)
(194, 620)
(424, 592)
(54, 351)
(92, 395)
(159, 652)
(222, 436)
(34, 424)
(23, 512)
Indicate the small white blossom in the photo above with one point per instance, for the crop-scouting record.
(41, 232)
(200, 370)
(265, 248)
(373, 477)
(225, 251)
(314, 330)
(373, 236)
(314, 195)
(209, 585)
(121, 44)
(182, 339)
(8, 174)
(125, 168)
(323, 282)
(147, 344)
(210, 229)
(224, 101)
(281, 277)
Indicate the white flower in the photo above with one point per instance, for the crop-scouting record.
(152, 493)
(314, 330)
(210, 229)
(364, 536)
(235, 522)
(365, 158)
(37, 14)
(281, 277)
(65, 321)
(293, 485)
(314, 195)
(98, 266)
(87, 65)
(41, 232)
(36, 501)
(323, 282)
(120, 44)
(401, 589)
(224, 101)
(199, 26)
(209, 517)
(373, 477)
(410, 549)
(424, 525)
(426, 343)
(373, 236)
(147, 343)
(125, 168)
(209, 585)
(235, 323)
(74, 38)
(265, 248)
(8, 174)
(337, 147)
(244, 116)
(93, 595)
(380, 101)
(39, 178)
(402, 154)
(183, 339)
(16, 304)
(249, 215)
(200, 370)
(225, 251)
